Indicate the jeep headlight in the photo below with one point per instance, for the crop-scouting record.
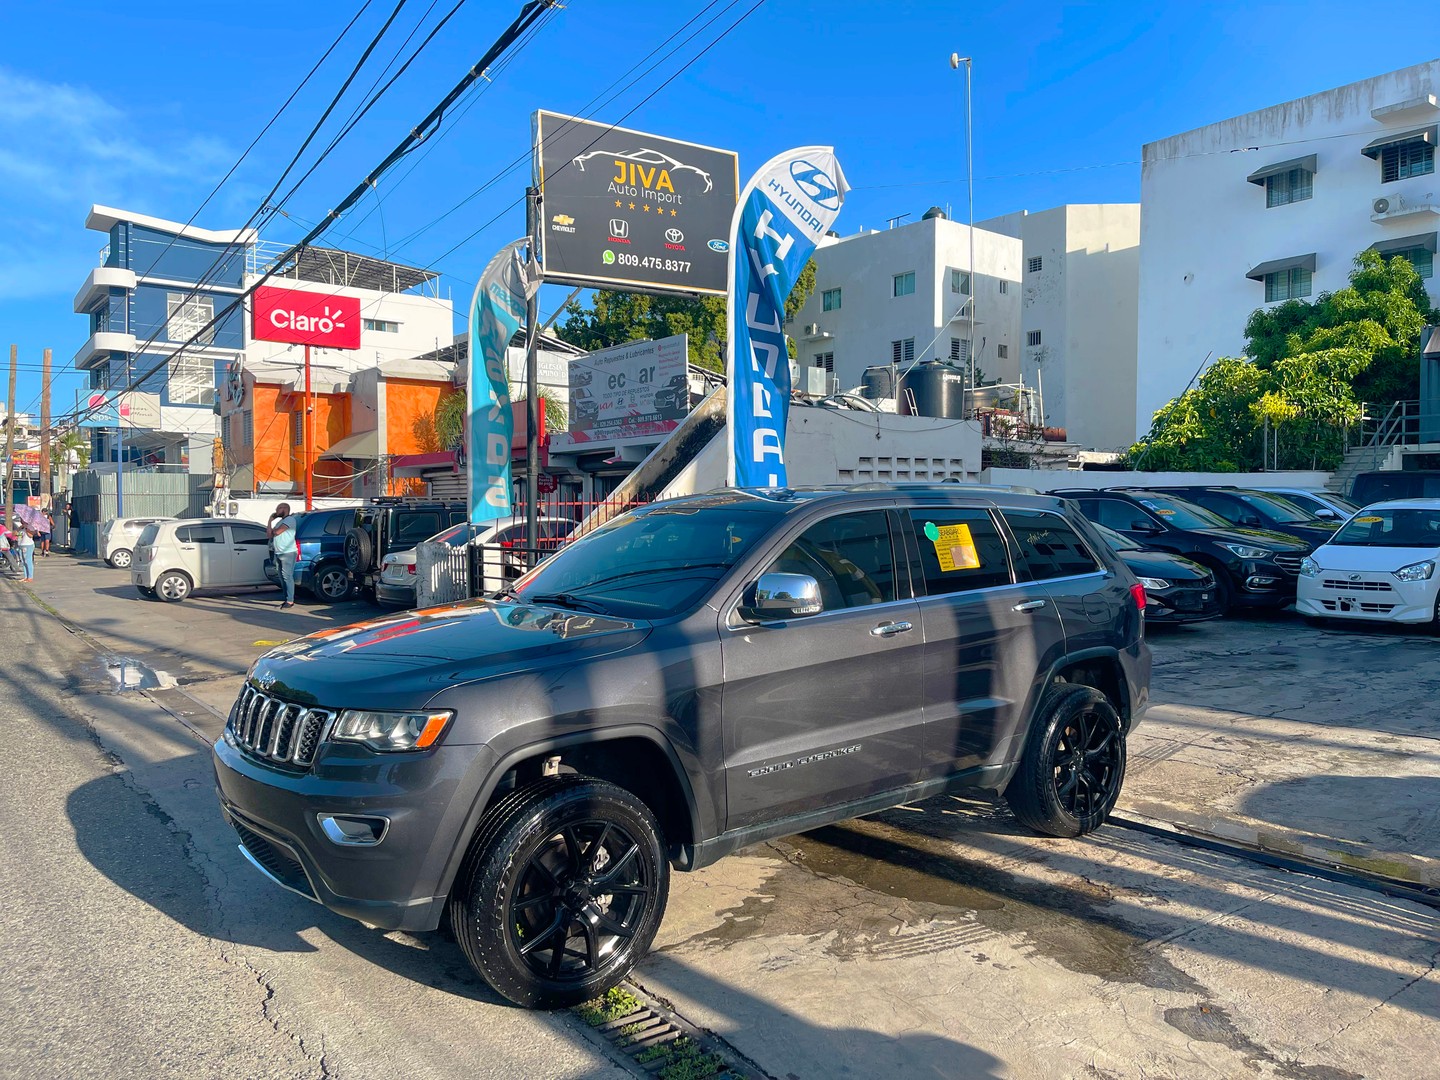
(1153, 584)
(390, 732)
(1309, 567)
(1419, 571)
(1244, 551)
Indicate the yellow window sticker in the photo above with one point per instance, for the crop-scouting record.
(1369, 519)
(954, 546)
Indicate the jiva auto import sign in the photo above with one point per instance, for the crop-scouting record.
(300, 317)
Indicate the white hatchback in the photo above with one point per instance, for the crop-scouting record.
(1381, 566)
(174, 558)
(118, 537)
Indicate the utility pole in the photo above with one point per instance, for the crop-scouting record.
(45, 430)
(10, 436)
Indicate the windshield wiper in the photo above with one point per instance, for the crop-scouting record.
(564, 599)
(658, 569)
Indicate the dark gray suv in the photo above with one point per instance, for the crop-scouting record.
(693, 676)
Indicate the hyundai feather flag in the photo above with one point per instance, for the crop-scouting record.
(496, 312)
(784, 210)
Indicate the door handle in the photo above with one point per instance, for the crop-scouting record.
(1029, 605)
(890, 629)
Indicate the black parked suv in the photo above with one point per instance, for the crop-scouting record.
(692, 677)
(393, 524)
(1253, 567)
(320, 553)
(1253, 508)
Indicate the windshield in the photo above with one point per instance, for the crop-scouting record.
(1180, 514)
(1396, 527)
(456, 535)
(1116, 541)
(1278, 507)
(651, 562)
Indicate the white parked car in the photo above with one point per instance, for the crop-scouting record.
(1325, 505)
(118, 537)
(1380, 566)
(397, 570)
(174, 558)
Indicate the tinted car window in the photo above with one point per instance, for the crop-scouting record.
(1049, 547)
(1116, 514)
(249, 534)
(1279, 508)
(850, 556)
(959, 550)
(1181, 513)
(338, 524)
(200, 534)
(412, 526)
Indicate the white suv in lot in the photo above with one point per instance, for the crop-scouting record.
(1381, 566)
(174, 558)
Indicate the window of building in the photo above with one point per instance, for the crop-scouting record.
(825, 360)
(1032, 337)
(186, 316)
(1004, 286)
(902, 352)
(1034, 263)
(1002, 351)
(297, 428)
(959, 350)
(1294, 185)
(1423, 259)
(248, 427)
(904, 283)
(1287, 284)
(100, 319)
(849, 556)
(960, 281)
(1404, 160)
(384, 326)
(830, 300)
(192, 380)
(960, 550)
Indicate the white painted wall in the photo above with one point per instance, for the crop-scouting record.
(870, 317)
(1051, 479)
(1203, 226)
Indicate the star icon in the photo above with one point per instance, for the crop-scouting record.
(617, 202)
(632, 206)
(672, 213)
(647, 208)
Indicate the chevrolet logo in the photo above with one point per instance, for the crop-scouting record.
(563, 219)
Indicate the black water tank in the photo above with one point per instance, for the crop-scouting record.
(878, 382)
(937, 388)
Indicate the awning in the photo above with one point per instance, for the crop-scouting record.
(419, 464)
(1259, 176)
(1274, 266)
(1405, 243)
(1422, 135)
(364, 447)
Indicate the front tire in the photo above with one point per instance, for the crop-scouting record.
(173, 587)
(120, 560)
(562, 892)
(1073, 766)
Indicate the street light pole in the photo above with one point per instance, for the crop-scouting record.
(955, 61)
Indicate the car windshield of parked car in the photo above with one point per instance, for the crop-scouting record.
(651, 562)
(457, 535)
(1180, 514)
(1342, 504)
(1279, 508)
(1399, 527)
(1117, 541)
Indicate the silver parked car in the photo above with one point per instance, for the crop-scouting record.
(118, 536)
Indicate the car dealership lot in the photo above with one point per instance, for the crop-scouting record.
(930, 940)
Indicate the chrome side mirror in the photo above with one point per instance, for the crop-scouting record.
(1326, 514)
(781, 596)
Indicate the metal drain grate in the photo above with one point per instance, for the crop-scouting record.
(654, 1041)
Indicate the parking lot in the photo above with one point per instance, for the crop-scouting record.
(937, 939)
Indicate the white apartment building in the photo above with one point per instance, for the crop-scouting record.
(1080, 295)
(1275, 205)
(902, 295)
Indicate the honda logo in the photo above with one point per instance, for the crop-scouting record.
(619, 228)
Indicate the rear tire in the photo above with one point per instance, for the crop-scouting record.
(332, 583)
(173, 587)
(1073, 766)
(562, 891)
(120, 560)
(359, 550)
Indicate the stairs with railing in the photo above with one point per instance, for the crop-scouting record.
(1404, 424)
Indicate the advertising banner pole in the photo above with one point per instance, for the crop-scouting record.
(532, 380)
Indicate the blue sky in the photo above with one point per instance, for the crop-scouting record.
(146, 106)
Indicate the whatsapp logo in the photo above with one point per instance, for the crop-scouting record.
(607, 257)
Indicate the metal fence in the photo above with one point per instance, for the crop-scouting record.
(95, 499)
(447, 575)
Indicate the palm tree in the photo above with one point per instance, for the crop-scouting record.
(62, 446)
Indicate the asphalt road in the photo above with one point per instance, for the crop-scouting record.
(936, 940)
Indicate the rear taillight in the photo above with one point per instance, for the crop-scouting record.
(1137, 593)
(410, 569)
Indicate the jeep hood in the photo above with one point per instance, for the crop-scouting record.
(403, 660)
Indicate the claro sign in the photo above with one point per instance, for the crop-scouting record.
(306, 318)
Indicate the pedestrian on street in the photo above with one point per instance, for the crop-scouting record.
(45, 536)
(282, 543)
(27, 552)
(7, 551)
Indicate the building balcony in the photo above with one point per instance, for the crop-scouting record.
(98, 283)
(1395, 209)
(101, 344)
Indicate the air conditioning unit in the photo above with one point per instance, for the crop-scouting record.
(812, 329)
(1382, 205)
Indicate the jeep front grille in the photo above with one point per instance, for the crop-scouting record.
(275, 730)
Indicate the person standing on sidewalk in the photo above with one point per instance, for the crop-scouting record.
(27, 552)
(282, 542)
(45, 536)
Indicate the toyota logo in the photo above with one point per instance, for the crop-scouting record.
(816, 183)
(675, 236)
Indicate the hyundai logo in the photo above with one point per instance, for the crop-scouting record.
(1354, 577)
(816, 183)
(619, 228)
(675, 236)
(718, 245)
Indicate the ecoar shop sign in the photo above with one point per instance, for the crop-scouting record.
(307, 318)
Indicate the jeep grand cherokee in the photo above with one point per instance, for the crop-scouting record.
(694, 676)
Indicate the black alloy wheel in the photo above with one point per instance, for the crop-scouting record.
(562, 893)
(1071, 772)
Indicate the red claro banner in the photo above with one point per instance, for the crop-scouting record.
(299, 317)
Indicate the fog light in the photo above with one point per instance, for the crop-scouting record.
(1255, 582)
(353, 831)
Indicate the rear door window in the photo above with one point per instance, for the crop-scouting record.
(200, 534)
(412, 526)
(249, 534)
(1049, 547)
(960, 550)
(338, 524)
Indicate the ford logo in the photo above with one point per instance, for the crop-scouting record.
(718, 245)
(816, 183)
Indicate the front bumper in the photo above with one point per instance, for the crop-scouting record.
(1370, 597)
(401, 882)
(1260, 583)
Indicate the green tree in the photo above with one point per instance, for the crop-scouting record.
(63, 444)
(613, 318)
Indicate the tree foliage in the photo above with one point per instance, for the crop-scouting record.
(613, 318)
(1309, 367)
